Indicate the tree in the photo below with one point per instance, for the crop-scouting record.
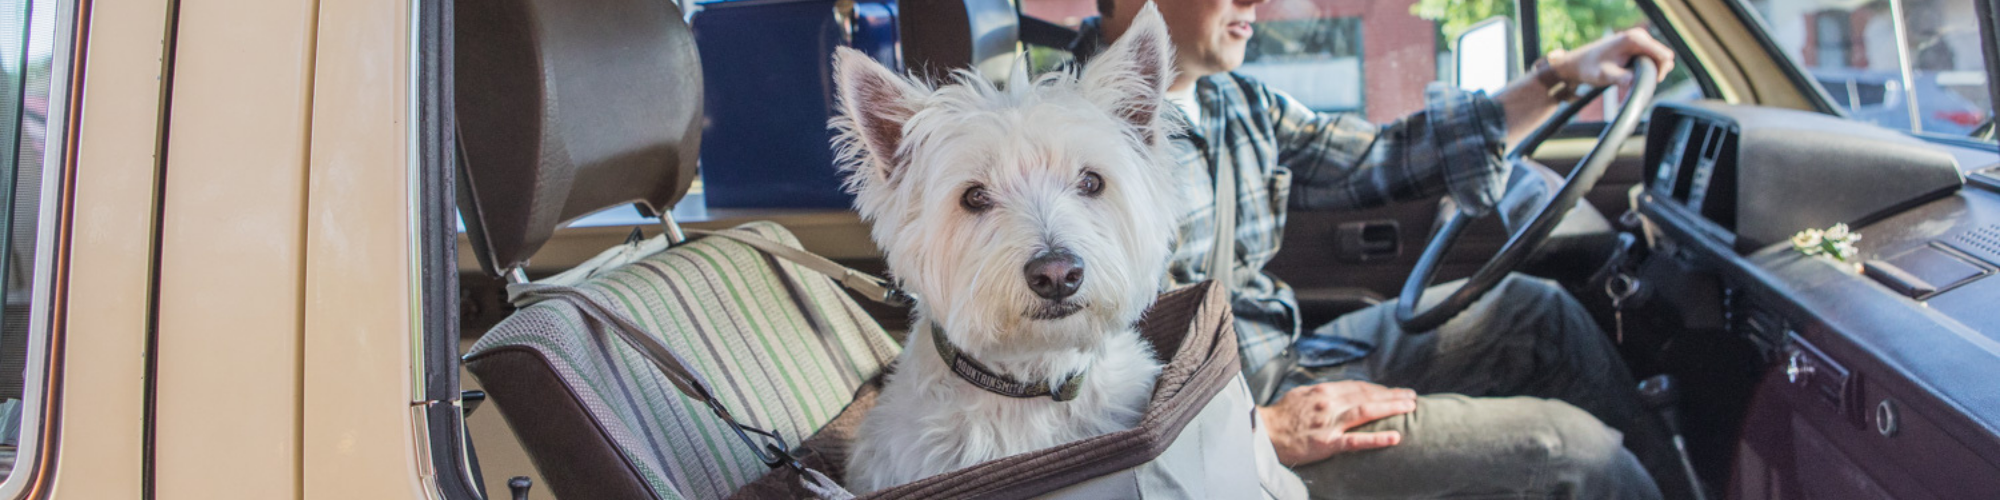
(1564, 23)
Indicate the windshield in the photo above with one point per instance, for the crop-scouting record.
(1911, 65)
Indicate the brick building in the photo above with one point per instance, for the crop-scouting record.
(1371, 56)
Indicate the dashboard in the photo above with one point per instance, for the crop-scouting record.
(1882, 377)
(1811, 170)
(1697, 149)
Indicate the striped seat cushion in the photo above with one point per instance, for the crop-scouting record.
(785, 348)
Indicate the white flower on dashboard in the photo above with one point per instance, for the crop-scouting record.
(1842, 250)
(1837, 242)
(1808, 241)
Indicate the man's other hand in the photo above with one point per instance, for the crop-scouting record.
(1603, 62)
(1310, 423)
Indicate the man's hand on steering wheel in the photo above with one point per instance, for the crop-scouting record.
(1416, 315)
(1603, 62)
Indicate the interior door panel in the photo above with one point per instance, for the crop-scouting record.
(1311, 257)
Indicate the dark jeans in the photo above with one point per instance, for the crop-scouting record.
(1523, 397)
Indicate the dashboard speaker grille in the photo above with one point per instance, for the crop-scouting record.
(1984, 242)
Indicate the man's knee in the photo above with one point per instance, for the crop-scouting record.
(1590, 458)
(1527, 430)
(1580, 442)
(1516, 447)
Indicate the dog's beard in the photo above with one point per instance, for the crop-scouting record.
(1054, 310)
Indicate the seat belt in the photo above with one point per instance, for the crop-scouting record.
(1222, 260)
(1222, 269)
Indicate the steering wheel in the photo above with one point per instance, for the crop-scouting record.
(1528, 236)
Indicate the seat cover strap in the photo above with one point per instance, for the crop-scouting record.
(872, 287)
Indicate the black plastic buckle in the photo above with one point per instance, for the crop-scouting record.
(896, 297)
(772, 450)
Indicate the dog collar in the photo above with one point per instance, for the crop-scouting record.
(971, 370)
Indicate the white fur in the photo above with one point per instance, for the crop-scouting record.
(912, 151)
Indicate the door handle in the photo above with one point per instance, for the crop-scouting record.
(1368, 241)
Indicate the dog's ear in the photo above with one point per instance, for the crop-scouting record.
(874, 104)
(1130, 78)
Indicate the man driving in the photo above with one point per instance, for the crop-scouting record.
(1521, 395)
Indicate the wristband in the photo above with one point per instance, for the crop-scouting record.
(1546, 75)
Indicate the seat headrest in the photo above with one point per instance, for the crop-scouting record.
(567, 107)
(943, 35)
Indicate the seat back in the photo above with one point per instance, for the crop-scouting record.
(784, 347)
(567, 107)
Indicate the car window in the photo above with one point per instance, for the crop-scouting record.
(1299, 53)
(1931, 79)
(1376, 58)
(1567, 25)
(26, 64)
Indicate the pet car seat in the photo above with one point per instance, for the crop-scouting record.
(570, 106)
(1197, 438)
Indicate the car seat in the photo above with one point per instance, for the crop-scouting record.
(551, 131)
(567, 107)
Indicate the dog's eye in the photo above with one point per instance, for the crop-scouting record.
(976, 199)
(1091, 185)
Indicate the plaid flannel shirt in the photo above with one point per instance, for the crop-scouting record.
(1287, 156)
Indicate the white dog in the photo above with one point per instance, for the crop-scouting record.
(1034, 225)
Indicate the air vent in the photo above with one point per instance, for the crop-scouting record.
(1983, 242)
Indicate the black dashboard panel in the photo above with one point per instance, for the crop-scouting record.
(1760, 174)
(1882, 377)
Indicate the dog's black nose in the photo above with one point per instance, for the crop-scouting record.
(1055, 274)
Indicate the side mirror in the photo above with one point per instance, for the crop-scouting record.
(1485, 55)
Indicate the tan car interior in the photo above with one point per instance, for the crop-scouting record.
(526, 174)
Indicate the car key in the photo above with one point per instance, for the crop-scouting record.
(1620, 287)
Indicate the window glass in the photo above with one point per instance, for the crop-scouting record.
(1930, 79)
(1300, 53)
(1372, 57)
(1375, 57)
(1369, 57)
(1568, 24)
(26, 36)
